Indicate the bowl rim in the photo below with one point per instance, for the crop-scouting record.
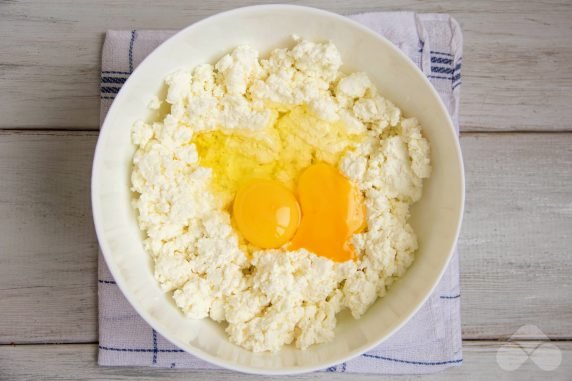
(105, 250)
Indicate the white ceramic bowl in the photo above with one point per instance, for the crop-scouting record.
(436, 218)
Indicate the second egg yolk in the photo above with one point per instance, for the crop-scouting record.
(332, 211)
(266, 213)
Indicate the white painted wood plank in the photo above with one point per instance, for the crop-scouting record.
(516, 73)
(48, 261)
(516, 237)
(515, 243)
(78, 362)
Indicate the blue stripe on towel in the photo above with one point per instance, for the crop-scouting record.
(453, 78)
(414, 362)
(439, 77)
(112, 90)
(114, 72)
(155, 348)
(450, 297)
(131, 43)
(106, 281)
(140, 350)
(441, 60)
(113, 80)
(443, 70)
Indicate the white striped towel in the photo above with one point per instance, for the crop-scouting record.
(431, 340)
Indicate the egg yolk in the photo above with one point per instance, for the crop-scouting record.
(266, 213)
(332, 211)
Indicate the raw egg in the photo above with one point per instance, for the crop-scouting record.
(332, 211)
(266, 213)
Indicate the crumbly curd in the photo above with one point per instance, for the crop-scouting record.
(233, 189)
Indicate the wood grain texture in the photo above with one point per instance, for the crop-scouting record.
(515, 243)
(516, 237)
(516, 69)
(78, 362)
(48, 261)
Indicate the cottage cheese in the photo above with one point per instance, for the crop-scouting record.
(270, 298)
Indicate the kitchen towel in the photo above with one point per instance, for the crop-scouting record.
(429, 342)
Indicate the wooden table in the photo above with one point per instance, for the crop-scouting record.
(516, 137)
